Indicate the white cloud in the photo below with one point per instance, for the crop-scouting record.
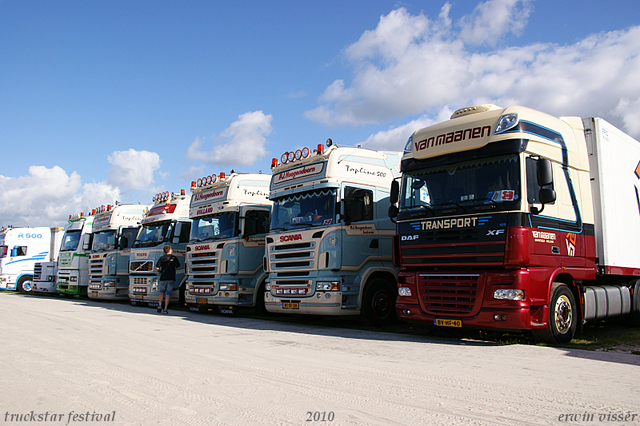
(133, 170)
(242, 143)
(414, 65)
(296, 95)
(492, 20)
(395, 138)
(47, 196)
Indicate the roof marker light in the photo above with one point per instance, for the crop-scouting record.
(284, 158)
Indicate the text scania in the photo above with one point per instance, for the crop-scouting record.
(463, 222)
(199, 248)
(460, 135)
(294, 237)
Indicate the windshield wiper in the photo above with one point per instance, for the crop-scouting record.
(428, 208)
(449, 203)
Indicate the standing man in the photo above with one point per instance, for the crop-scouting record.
(167, 266)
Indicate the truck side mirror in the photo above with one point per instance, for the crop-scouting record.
(545, 172)
(394, 192)
(394, 196)
(124, 242)
(393, 211)
(547, 195)
(545, 178)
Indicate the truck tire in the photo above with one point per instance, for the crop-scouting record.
(25, 284)
(260, 308)
(379, 303)
(633, 319)
(563, 316)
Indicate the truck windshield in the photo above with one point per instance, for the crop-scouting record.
(224, 225)
(153, 235)
(488, 183)
(313, 208)
(70, 240)
(105, 240)
(3, 251)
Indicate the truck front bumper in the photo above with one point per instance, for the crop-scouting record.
(320, 303)
(504, 318)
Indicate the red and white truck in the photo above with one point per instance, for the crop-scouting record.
(517, 220)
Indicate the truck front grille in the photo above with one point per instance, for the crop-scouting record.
(449, 295)
(292, 256)
(455, 248)
(95, 270)
(37, 272)
(204, 264)
(140, 280)
(141, 266)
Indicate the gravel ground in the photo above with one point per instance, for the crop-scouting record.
(70, 361)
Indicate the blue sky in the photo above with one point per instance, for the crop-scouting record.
(117, 100)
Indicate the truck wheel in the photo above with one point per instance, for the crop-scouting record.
(563, 316)
(25, 284)
(379, 303)
(260, 308)
(633, 319)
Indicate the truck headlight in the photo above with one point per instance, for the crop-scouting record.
(506, 122)
(404, 291)
(73, 279)
(228, 287)
(109, 284)
(327, 285)
(508, 294)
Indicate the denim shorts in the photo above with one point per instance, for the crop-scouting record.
(166, 287)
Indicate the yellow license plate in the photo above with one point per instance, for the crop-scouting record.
(447, 322)
(94, 293)
(201, 301)
(139, 296)
(292, 305)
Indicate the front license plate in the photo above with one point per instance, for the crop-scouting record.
(139, 296)
(94, 294)
(290, 305)
(447, 322)
(201, 301)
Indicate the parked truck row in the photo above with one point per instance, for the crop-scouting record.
(506, 219)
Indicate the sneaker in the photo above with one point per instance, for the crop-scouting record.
(159, 309)
(165, 311)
